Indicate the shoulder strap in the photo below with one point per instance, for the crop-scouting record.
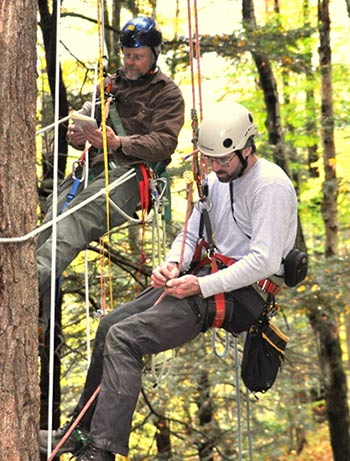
(205, 223)
(115, 119)
(233, 211)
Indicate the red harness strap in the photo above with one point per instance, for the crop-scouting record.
(269, 286)
(266, 284)
(144, 187)
(220, 304)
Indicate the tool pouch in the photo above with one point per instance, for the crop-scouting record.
(263, 355)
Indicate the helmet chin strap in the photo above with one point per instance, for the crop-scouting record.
(243, 160)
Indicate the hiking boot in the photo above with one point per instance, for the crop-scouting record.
(75, 442)
(92, 453)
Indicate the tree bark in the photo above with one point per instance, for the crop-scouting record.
(310, 103)
(48, 28)
(330, 184)
(326, 329)
(269, 87)
(19, 390)
(205, 415)
(325, 322)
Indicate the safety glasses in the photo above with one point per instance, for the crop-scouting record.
(134, 57)
(223, 161)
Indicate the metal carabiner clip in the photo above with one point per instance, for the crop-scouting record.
(204, 205)
(75, 166)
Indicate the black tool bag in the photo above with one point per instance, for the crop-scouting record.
(263, 355)
(295, 267)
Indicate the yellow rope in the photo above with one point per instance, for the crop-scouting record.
(104, 115)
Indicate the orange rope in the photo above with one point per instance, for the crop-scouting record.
(74, 424)
(195, 166)
(198, 57)
(194, 154)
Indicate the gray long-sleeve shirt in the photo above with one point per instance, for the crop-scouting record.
(257, 228)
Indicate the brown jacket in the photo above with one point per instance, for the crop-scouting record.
(152, 114)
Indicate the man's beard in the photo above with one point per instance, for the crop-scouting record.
(228, 177)
(132, 74)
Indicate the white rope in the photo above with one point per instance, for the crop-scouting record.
(156, 230)
(131, 218)
(158, 204)
(86, 252)
(163, 373)
(52, 125)
(126, 216)
(238, 398)
(54, 239)
(227, 344)
(247, 395)
(250, 447)
(118, 182)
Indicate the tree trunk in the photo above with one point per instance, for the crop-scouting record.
(330, 185)
(269, 87)
(19, 389)
(163, 439)
(310, 103)
(48, 28)
(326, 329)
(205, 412)
(325, 323)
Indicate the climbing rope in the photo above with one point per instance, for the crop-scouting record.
(23, 238)
(54, 239)
(238, 398)
(197, 176)
(189, 177)
(104, 115)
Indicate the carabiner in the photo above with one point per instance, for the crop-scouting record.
(75, 166)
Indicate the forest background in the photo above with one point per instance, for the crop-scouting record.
(288, 63)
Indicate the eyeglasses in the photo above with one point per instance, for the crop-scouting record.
(134, 57)
(223, 161)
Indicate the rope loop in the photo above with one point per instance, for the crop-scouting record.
(227, 344)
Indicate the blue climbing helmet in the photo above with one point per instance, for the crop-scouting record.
(141, 31)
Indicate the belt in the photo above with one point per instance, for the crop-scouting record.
(266, 284)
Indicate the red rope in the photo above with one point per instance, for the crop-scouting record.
(195, 168)
(74, 424)
(198, 57)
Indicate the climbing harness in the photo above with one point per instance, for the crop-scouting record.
(206, 254)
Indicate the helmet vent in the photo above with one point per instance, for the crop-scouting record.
(227, 143)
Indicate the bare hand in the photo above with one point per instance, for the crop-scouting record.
(161, 274)
(95, 137)
(183, 287)
(75, 137)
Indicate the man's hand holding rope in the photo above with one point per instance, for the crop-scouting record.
(166, 276)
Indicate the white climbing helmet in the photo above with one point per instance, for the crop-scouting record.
(225, 130)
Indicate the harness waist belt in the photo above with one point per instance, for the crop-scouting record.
(266, 284)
